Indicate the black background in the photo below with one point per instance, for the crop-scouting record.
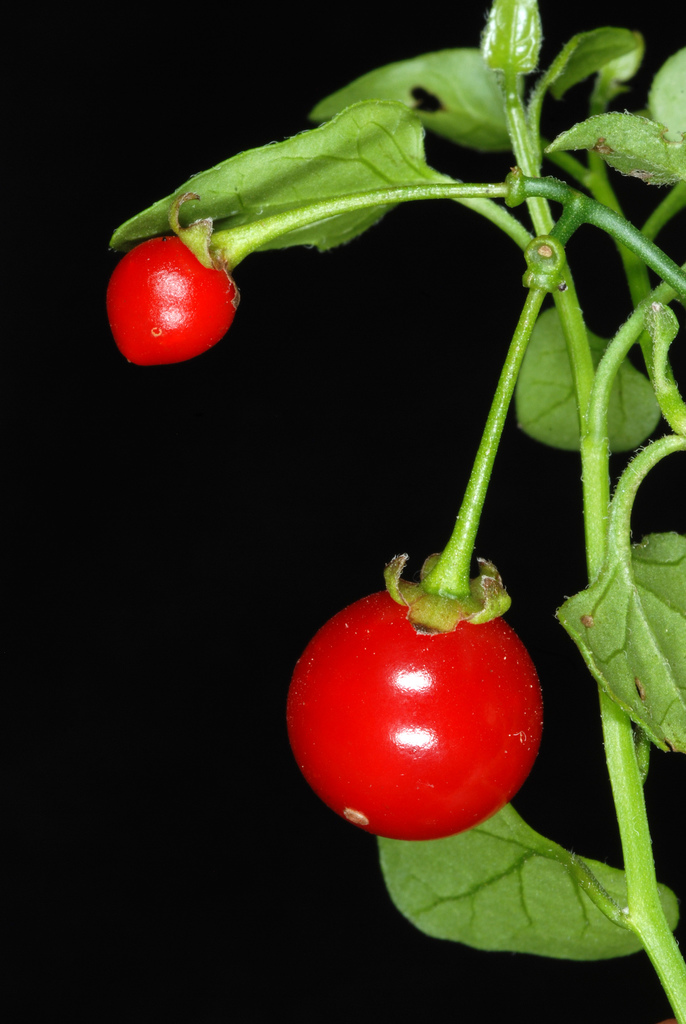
(175, 535)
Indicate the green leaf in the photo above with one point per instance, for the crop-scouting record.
(512, 38)
(633, 145)
(452, 91)
(502, 886)
(368, 146)
(544, 397)
(667, 99)
(609, 82)
(587, 53)
(663, 327)
(630, 626)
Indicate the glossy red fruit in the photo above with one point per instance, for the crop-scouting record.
(164, 306)
(412, 735)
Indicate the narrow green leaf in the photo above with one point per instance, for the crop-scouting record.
(502, 886)
(630, 626)
(452, 91)
(667, 99)
(633, 145)
(544, 396)
(368, 146)
(663, 327)
(588, 53)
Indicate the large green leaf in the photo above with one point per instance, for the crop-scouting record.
(545, 402)
(633, 145)
(368, 146)
(667, 100)
(630, 626)
(502, 886)
(453, 92)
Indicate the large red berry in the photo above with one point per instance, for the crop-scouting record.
(164, 306)
(414, 735)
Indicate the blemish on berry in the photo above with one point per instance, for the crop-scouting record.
(356, 817)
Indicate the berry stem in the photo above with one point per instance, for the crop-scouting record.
(234, 244)
(450, 575)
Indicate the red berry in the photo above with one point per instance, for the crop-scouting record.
(413, 735)
(164, 306)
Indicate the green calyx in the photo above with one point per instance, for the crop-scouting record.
(440, 613)
(195, 236)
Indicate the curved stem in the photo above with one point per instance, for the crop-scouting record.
(234, 244)
(619, 533)
(594, 443)
(450, 575)
(644, 913)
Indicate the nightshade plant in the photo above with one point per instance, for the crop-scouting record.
(502, 886)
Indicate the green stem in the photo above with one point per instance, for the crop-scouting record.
(527, 154)
(619, 533)
(501, 217)
(525, 150)
(570, 165)
(644, 913)
(450, 575)
(673, 203)
(566, 300)
(594, 443)
(234, 244)
(580, 209)
(635, 269)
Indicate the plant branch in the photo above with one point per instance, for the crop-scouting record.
(234, 244)
(450, 575)
(580, 209)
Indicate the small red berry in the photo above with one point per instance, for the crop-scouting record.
(413, 735)
(164, 306)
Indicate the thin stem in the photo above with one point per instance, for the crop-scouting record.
(501, 217)
(525, 150)
(234, 244)
(644, 912)
(633, 476)
(594, 442)
(528, 158)
(673, 203)
(635, 269)
(450, 575)
(570, 165)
